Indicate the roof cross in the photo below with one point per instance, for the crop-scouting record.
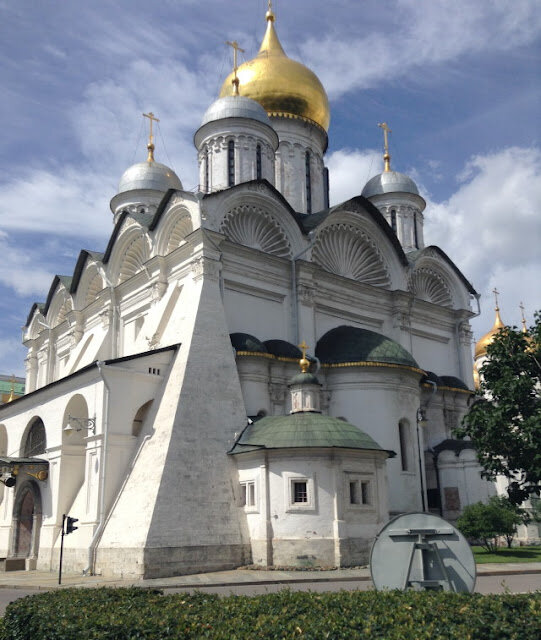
(524, 328)
(386, 155)
(496, 294)
(236, 49)
(150, 145)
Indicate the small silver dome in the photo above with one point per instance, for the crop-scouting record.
(235, 107)
(149, 175)
(389, 182)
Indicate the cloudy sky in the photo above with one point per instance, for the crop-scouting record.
(458, 83)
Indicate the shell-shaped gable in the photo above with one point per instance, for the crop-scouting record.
(254, 227)
(136, 253)
(350, 252)
(427, 284)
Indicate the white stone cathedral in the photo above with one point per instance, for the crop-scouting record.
(168, 406)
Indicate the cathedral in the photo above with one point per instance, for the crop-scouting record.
(244, 374)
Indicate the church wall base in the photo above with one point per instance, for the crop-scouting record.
(303, 553)
(354, 552)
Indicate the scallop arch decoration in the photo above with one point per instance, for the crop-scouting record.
(253, 227)
(178, 234)
(94, 287)
(431, 287)
(348, 251)
(136, 255)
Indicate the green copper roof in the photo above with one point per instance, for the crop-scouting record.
(246, 342)
(304, 378)
(353, 344)
(18, 387)
(302, 430)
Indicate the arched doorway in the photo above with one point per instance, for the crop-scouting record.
(26, 521)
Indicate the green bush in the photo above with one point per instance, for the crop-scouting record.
(130, 614)
(487, 522)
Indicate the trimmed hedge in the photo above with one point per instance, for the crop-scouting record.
(130, 614)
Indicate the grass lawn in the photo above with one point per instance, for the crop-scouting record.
(515, 554)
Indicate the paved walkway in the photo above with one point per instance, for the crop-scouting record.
(49, 580)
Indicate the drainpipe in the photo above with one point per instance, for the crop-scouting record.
(421, 417)
(295, 301)
(89, 570)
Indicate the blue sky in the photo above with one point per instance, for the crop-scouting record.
(458, 83)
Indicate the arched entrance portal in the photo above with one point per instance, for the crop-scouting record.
(26, 521)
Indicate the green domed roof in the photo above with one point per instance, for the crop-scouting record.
(453, 382)
(353, 344)
(301, 430)
(304, 378)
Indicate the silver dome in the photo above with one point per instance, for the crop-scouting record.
(389, 182)
(235, 107)
(149, 175)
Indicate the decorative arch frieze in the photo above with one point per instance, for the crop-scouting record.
(254, 227)
(61, 306)
(430, 286)
(348, 251)
(136, 253)
(183, 227)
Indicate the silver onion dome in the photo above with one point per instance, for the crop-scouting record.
(149, 175)
(235, 107)
(389, 182)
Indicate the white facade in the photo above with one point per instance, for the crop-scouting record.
(137, 345)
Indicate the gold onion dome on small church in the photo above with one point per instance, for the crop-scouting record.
(482, 344)
(282, 86)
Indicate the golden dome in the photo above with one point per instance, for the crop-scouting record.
(282, 86)
(482, 344)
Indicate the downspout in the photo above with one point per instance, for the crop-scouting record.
(295, 301)
(89, 570)
(421, 417)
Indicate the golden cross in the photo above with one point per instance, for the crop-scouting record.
(496, 293)
(386, 156)
(236, 49)
(150, 145)
(304, 347)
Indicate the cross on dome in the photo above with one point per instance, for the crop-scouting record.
(235, 81)
(386, 155)
(150, 145)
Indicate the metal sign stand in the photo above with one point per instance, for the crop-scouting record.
(425, 551)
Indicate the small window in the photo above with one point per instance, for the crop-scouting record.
(300, 492)
(415, 231)
(393, 219)
(231, 163)
(354, 492)
(365, 493)
(258, 162)
(247, 495)
(404, 436)
(307, 163)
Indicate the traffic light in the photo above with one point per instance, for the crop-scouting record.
(70, 522)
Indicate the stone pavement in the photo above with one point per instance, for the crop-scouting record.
(49, 580)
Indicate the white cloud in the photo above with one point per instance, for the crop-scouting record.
(491, 228)
(421, 35)
(349, 171)
(22, 271)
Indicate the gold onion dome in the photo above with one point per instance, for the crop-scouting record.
(282, 86)
(482, 344)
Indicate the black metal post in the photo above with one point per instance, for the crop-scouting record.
(61, 550)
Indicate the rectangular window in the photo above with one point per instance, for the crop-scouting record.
(354, 492)
(365, 492)
(300, 491)
(259, 173)
(403, 433)
(231, 163)
(308, 182)
(247, 495)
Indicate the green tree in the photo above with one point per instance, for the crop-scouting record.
(487, 522)
(504, 424)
